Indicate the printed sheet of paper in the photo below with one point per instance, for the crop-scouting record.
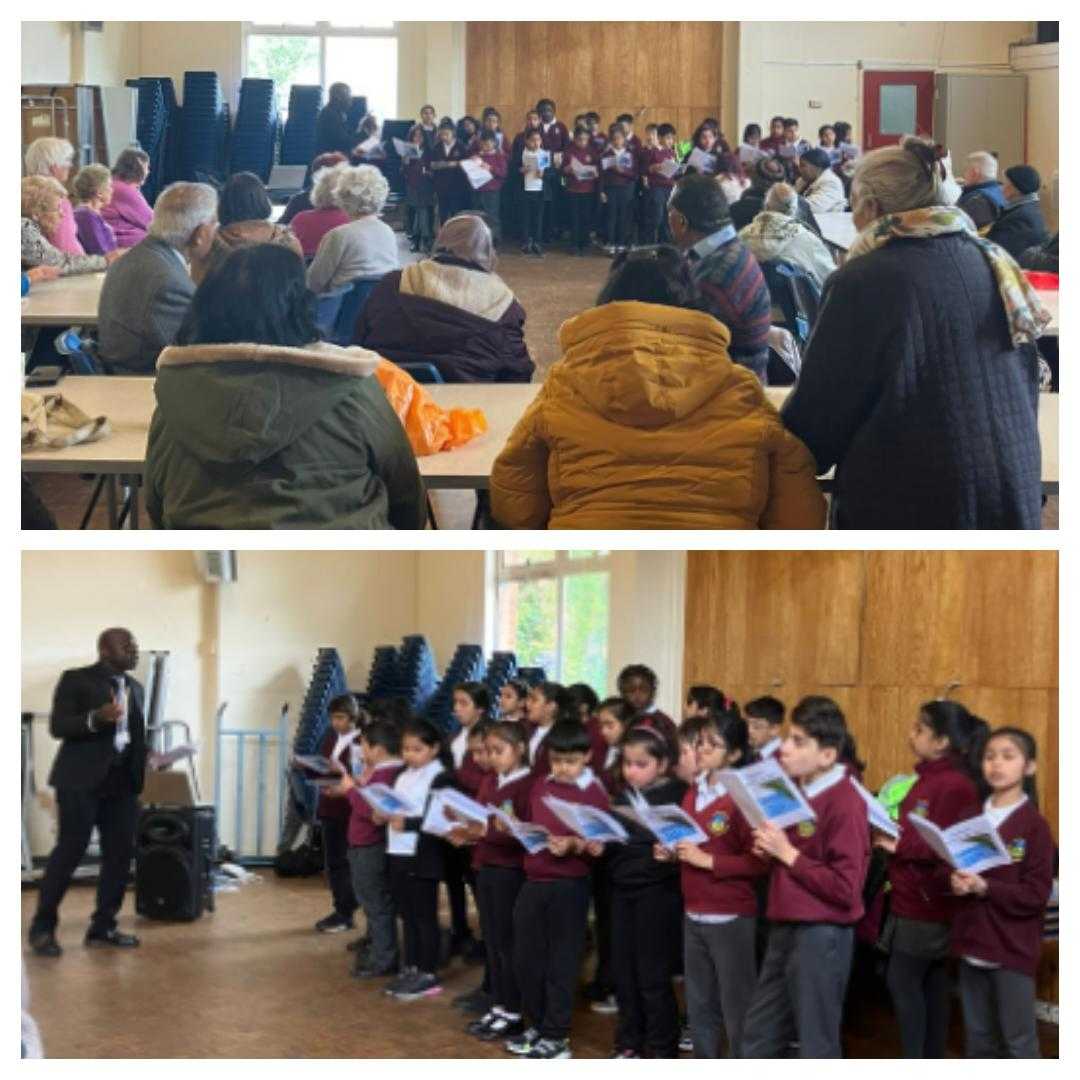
(385, 800)
(587, 821)
(698, 159)
(406, 150)
(532, 838)
(163, 759)
(765, 793)
(669, 823)
(372, 147)
(477, 175)
(668, 168)
(972, 845)
(583, 172)
(877, 815)
(316, 763)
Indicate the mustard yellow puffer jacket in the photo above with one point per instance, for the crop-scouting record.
(645, 423)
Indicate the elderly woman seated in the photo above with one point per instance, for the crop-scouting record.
(53, 158)
(43, 199)
(301, 201)
(776, 234)
(363, 250)
(310, 226)
(451, 311)
(645, 422)
(920, 382)
(128, 212)
(93, 190)
(244, 211)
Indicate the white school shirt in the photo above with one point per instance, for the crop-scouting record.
(704, 794)
(824, 782)
(770, 749)
(509, 778)
(459, 746)
(535, 740)
(414, 785)
(612, 756)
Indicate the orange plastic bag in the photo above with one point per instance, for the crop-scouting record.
(429, 427)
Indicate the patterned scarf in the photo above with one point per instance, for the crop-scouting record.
(1027, 317)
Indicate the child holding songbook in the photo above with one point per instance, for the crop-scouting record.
(443, 162)
(646, 907)
(705, 153)
(377, 953)
(417, 860)
(658, 173)
(488, 197)
(765, 723)
(512, 699)
(419, 195)
(703, 700)
(497, 860)
(749, 150)
(581, 170)
(687, 768)
(718, 887)
(815, 895)
(998, 926)
(552, 907)
(615, 717)
(546, 704)
(947, 742)
(638, 684)
(618, 177)
(534, 163)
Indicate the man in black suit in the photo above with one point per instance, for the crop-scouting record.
(98, 714)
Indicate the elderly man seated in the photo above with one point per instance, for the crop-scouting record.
(983, 198)
(776, 235)
(818, 184)
(147, 293)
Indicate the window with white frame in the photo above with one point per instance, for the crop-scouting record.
(552, 610)
(362, 54)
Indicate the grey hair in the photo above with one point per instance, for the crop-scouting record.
(985, 163)
(180, 209)
(90, 181)
(324, 188)
(782, 199)
(898, 179)
(361, 190)
(42, 154)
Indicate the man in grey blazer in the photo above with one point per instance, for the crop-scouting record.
(144, 303)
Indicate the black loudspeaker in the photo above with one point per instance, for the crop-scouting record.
(173, 860)
(1047, 32)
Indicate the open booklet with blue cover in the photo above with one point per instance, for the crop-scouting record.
(972, 845)
(765, 793)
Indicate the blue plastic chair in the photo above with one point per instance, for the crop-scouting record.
(356, 296)
(423, 372)
(798, 299)
(327, 307)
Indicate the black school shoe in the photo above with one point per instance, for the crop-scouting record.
(113, 938)
(44, 943)
(502, 1027)
(475, 1002)
(334, 924)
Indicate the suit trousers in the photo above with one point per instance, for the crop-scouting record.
(114, 809)
(645, 924)
(999, 1012)
(549, 938)
(799, 995)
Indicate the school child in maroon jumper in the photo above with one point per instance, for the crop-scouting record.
(705, 139)
(545, 705)
(552, 907)
(638, 684)
(428, 126)
(947, 742)
(718, 881)
(376, 955)
(581, 193)
(497, 861)
(488, 197)
(658, 187)
(582, 703)
(535, 193)
(775, 139)
(815, 895)
(419, 197)
(517, 178)
(702, 700)
(443, 162)
(998, 928)
(556, 141)
(512, 696)
(617, 185)
(765, 721)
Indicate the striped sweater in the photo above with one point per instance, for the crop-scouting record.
(735, 292)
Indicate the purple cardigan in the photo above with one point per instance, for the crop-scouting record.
(129, 214)
(95, 234)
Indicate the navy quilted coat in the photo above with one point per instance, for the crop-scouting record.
(912, 388)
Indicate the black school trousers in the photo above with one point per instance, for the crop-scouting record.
(417, 903)
(581, 215)
(532, 221)
(497, 889)
(458, 874)
(488, 202)
(799, 995)
(918, 980)
(549, 938)
(645, 927)
(335, 833)
(620, 204)
(654, 225)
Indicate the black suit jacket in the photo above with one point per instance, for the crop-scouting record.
(85, 755)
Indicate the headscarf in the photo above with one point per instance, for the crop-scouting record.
(1027, 317)
(467, 237)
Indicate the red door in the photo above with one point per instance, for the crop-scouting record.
(896, 103)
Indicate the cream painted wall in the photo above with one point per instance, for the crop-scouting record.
(171, 48)
(451, 601)
(1039, 63)
(45, 51)
(108, 57)
(784, 65)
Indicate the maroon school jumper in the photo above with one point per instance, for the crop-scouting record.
(662, 723)
(613, 176)
(1005, 926)
(496, 847)
(586, 156)
(555, 139)
(541, 765)
(363, 832)
(496, 164)
(728, 888)
(332, 807)
(919, 881)
(468, 776)
(825, 883)
(448, 183)
(543, 866)
(654, 156)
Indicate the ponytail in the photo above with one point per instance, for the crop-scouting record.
(966, 732)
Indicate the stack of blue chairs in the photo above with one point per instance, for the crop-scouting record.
(298, 138)
(382, 678)
(151, 129)
(417, 677)
(501, 668)
(532, 675)
(327, 682)
(255, 132)
(467, 665)
(204, 122)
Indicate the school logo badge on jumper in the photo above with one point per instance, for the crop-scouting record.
(1017, 849)
(922, 808)
(806, 828)
(719, 823)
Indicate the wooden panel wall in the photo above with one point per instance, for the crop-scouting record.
(674, 69)
(881, 632)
